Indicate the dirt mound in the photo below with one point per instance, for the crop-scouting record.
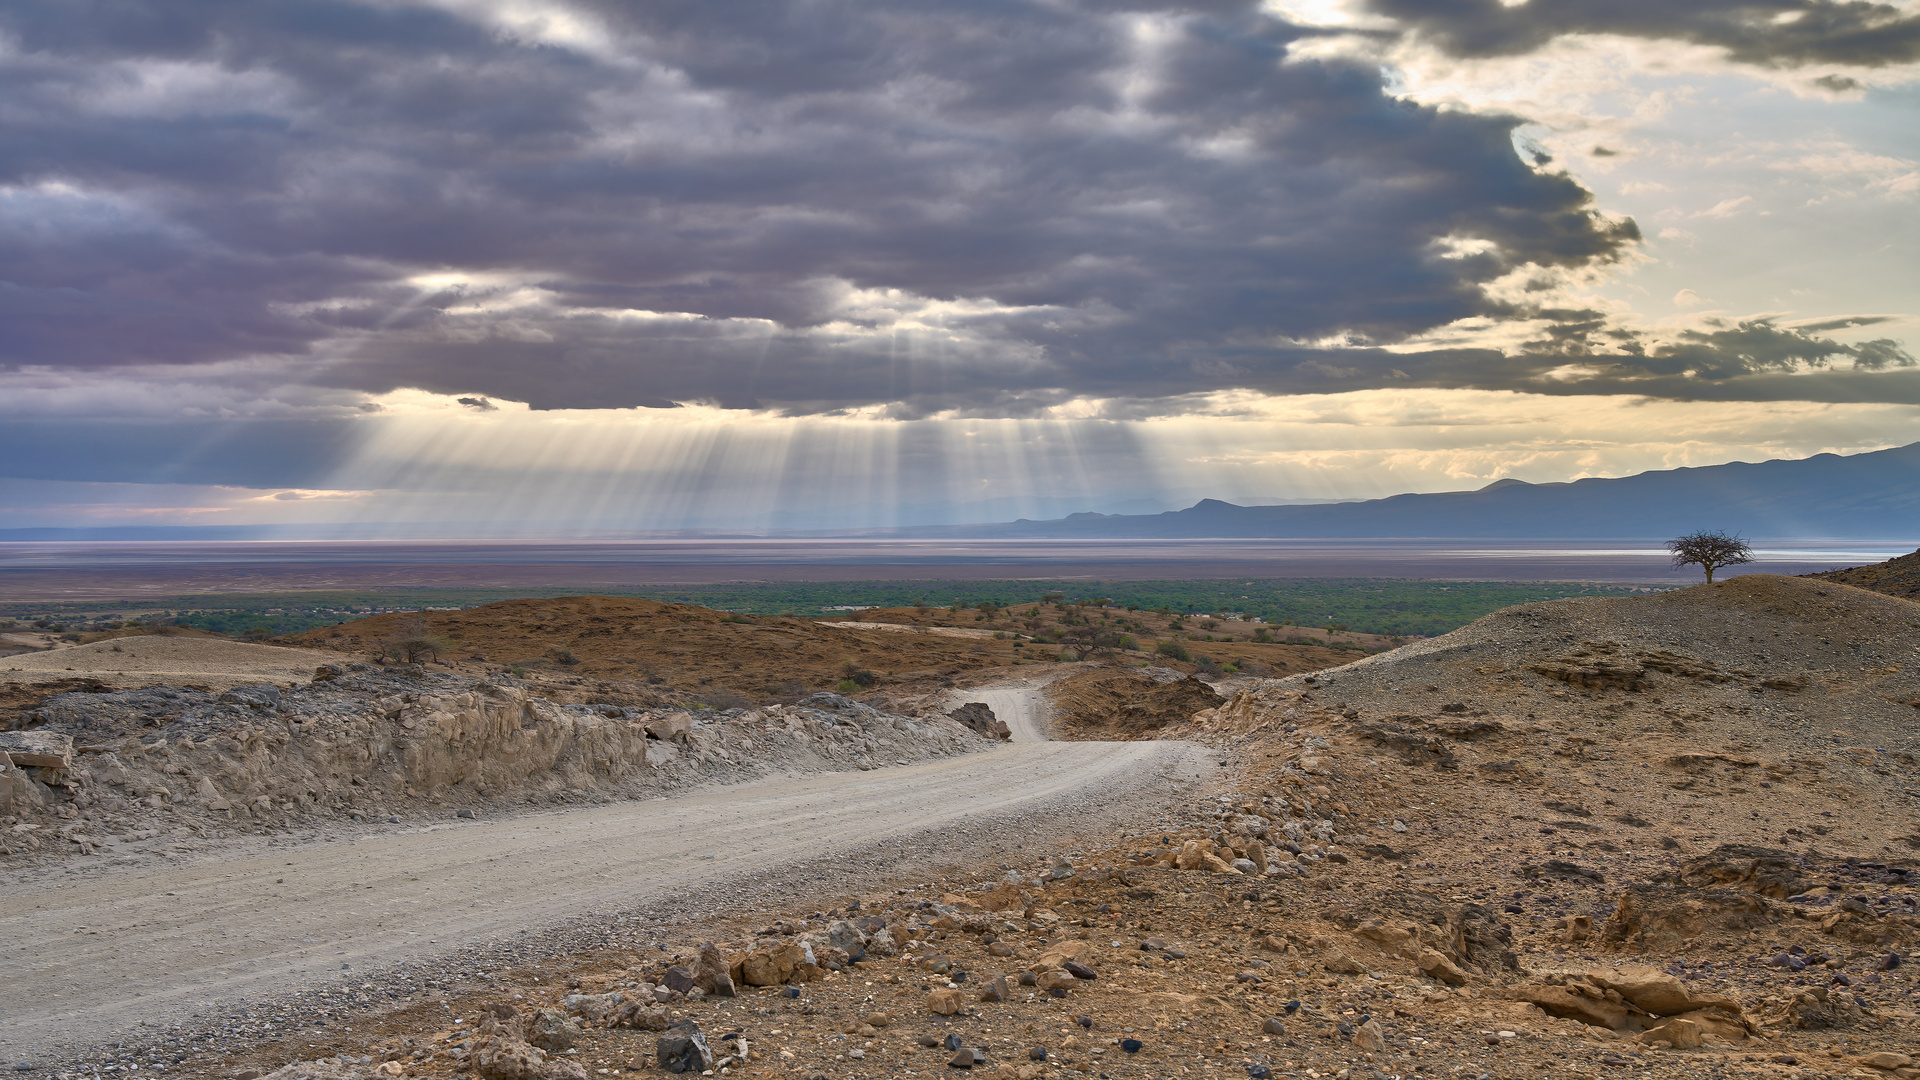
(678, 645)
(765, 659)
(365, 743)
(137, 660)
(1766, 710)
(1123, 704)
(1895, 577)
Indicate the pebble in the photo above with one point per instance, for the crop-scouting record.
(1272, 1026)
(1131, 1046)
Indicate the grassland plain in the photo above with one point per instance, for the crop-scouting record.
(1391, 606)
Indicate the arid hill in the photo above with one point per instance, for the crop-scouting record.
(1895, 577)
(759, 658)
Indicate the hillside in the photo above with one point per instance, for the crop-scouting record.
(1895, 577)
(722, 656)
(1827, 495)
(1776, 711)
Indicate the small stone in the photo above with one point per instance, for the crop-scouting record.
(1272, 1026)
(962, 1059)
(1086, 1022)
(467, 814)
(879, 1019)
(1080, 971)
(944, 1002)
(1887, 962)
(930, 1041)
(995, 989)
(1037, 1053)
(1028, 978)
(1887, 1060)
(1259, 1072)
(1000, 948)
(791, 991)
(1785, 1059)
(951, 1042)
(1131, 1046)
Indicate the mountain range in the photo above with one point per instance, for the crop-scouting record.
(1828, 496)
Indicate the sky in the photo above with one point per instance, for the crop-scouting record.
(585, 267)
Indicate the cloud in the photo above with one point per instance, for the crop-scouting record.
(808, 207)
(930, 210)
(1787, 33)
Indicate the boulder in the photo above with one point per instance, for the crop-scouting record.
(1657, 992)
(18, 791)
(1436, 965)
(639, 1016)
(500, 1051)
(1059, 954)
(37, 749)
(711, 972)
(1766, 871)
(1570, 1003)
(845, 936)
(326, 1069)
(1680, 1034)
(1006, 896)
(675, 727)
(772, 967)
(1370, 1038)
(683, 1049)
(552, 1030)
(1661, 918)
(660, 754)
(978, 717)
(594, 1008)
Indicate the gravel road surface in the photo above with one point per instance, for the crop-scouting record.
(91, 955)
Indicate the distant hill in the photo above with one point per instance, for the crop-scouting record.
(1875, 495)
(1895, 577)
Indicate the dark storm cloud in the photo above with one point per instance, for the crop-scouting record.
(1789, 33)
(1121, 200)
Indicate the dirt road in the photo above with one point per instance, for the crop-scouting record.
(1023, 709)
(92, 955)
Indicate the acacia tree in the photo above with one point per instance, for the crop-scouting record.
(1710, 551)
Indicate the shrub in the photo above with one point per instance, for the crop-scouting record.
(517, 671)
(563, 656)
(847, 686)
(1172, 647)
(722, 698)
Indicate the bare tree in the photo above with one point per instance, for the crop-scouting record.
(1710, 551)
